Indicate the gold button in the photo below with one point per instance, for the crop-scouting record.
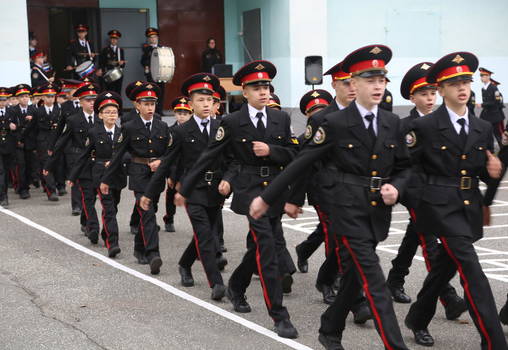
(350, 146)
(150, 141)
(209, 183)
(281, 168)
(151, 151)
(374, 173)
(373, 203)
(443, 147)
(463, 172)
(374, 156)
(466, 202)
(265, 183)
(480, 148)
(392, 146)
(244, 140)
(463, 156)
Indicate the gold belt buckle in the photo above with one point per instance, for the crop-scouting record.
(465, 183)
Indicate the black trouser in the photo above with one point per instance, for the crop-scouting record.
(219, 229)
(5, 165)
(25, 168)
(170, 205)
(362, 269)
(285, 261)
(262, 256)
(203, 244)
(458, 254)
(75, 193)
(115, 86)
(147, 238)
(48, 182)
(498, 130)
(59, 172)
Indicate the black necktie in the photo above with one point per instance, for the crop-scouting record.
(110, 134)
(90, 120)
(204, 123)
(370, 129)
(260, 125)
(147, 126)
(49, 110)
(1, 115)
(23, 111)
(76, 104)
(462, 133)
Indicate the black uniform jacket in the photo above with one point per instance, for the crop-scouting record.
(236, 134)
(184, 150)
(446, 210)
(91, 163)
(344, 140)
(491, 112)
(8, 137)
(47, 126)
(108, 58)
(136, 140)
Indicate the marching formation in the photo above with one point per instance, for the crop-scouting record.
(353, 163)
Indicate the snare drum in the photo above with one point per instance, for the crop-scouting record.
(113, 75)
(85, 69)
(162, 64)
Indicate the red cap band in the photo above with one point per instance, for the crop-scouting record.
(419, 83)
(367, 65)
(108, 102)
(452, 72)
(340, 75)
(87, 93)
(183, 106)
(216, 95)
(146, 93)
(200, 86)
(22, 91)
(48, 92)
(315, 102)
(258, 76)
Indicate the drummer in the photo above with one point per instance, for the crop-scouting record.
(38, 76)
(152, 42)
(79, 51)
(110, 58)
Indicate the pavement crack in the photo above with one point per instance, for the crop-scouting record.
(34, 299)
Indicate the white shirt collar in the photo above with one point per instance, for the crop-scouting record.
(252, 113)
(420, 113)
(82, 42)
(199, 121)
(146, 121)
(4, 110)
(486, 85)
(454, 117)
(341, 107)
(113, 47)
(364, 111)
(87, 115)
(48, 108)
(109, 130)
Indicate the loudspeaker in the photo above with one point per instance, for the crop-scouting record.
(223, 70)
(313, 70)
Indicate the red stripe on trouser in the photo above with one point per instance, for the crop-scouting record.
(104, 219)
(367, 294)
(337, 254)
(83, 201)
(500, 127)
(261, 278)
(423, 242)
(141, 226)
(465, 282)
(322, 220)
(196, 244)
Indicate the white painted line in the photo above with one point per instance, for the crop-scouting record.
(175, 291)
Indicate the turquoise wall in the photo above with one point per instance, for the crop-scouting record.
(274, 33)
(151, 5)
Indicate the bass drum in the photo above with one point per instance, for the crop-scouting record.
(113, 75)
(162, 64)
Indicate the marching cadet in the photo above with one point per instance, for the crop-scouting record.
(79, 50)
(73, 139)
(26, 154)
(415, 88)
(316, 186)
(471, 104)
(8, 138)
(274, 102)
(152, 35)
(146, 139)
(47, 117)
(61, 98)
(204, 202)
(112, 56)
(38, 75)
(218, 96)
(370, 163)
(490, 102)
(314, 101)
(453, 150)
(91, 165)
(183, 112)
(387, 102)
(261, 143)
(500, 100)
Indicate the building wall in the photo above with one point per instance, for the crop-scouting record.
(14, 62)
(415, 31)
(151, 5)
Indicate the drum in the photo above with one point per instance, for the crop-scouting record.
(162, 64)
(113, 75)
(85, 69)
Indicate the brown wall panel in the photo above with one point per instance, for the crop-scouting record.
(185, 26)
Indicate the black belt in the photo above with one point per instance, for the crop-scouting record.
(262, 171)
(100, 160)
(463, 183)
(373, 183)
